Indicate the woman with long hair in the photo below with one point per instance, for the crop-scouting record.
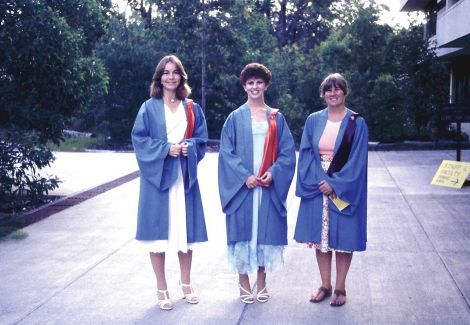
(169, 138)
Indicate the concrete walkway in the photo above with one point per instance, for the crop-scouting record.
(82, 266)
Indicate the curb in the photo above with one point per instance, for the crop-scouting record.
(38, 214)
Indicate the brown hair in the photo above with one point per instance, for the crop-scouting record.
(256, 70)
(156, 88)
(334, 80)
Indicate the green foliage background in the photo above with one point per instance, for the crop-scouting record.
(81, 64)
(48, 74)
(396, 81)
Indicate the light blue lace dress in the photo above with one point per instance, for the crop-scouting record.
(245, 257)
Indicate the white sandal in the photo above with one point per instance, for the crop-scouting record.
(263, 295)
(191, 297)
(248, 297)
(165, 303)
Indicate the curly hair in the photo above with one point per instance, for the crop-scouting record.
(256, 70)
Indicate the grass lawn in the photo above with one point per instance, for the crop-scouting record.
(77, 144)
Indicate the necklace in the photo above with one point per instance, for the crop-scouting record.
(170, 97)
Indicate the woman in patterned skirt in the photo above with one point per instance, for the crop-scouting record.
(332, 185)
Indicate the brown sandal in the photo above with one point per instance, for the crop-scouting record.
(338, 293)
(326, 294)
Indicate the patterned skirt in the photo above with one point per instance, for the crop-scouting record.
(323, 246)
(247, 256)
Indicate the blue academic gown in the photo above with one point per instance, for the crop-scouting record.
(158, 172)
(236, 165)
(347, 228)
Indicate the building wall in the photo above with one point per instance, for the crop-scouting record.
(453, 24)
(449, 23)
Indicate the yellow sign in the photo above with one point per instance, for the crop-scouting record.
(451, 174)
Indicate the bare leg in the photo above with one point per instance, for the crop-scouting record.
(343, 262)
(245, 289)
(324, 265)
(261, 281)
(158, 265)
(244, 281)
(185, 269)
(262, 295)
(185, 280)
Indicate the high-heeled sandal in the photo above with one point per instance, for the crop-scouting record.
(247, 298)
(262, 295)
(191, 297)
(165, 303)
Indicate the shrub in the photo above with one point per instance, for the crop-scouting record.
(21, 184)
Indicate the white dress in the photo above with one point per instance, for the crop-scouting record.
(176, 124)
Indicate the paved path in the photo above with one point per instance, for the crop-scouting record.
(82, 266)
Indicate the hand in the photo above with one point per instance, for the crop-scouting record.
(251, 182)
(184, 149)
(266, 178)
(325, 188)
(175, 150)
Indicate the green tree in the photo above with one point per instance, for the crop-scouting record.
(421, 79)
(46, 74)
(386, 70)
(387, 120)
(295, 21)
(130, 53)
(292, 87)
(221, 36)
(396, 81)
(300, 41)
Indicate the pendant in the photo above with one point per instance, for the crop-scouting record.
(172, 100)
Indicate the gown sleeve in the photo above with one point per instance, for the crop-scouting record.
(350, 182)
(284, 167)
(196, 148)
(232, 173)
(307, 180)
(152, 153)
